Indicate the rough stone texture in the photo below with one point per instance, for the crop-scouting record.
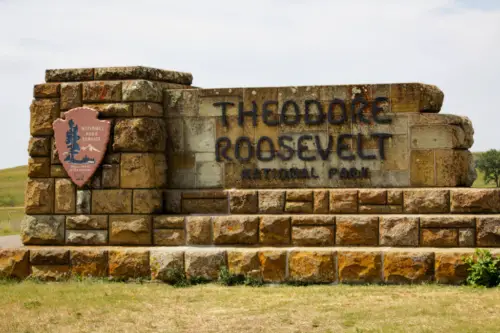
(273, 265)
(357, 230)
(235, 229)
(169, 237)
(141, 72)
(454, 168)
(83, 201)
(50, 272)
(313, 220)
(140, 135)
(111, 176)
(312, 236)
(143, 109)
(343, 201)
(69, 74)
(205, 194)
(46, 90)
(173, 202)
(422, 168)
(243, 202)
(50, 256)
(299, 207)
(198, 230)
(39, 167)
(394, 197)
(204, 264)
(416, 97)
(168, 222)
(129, 264)
(321, 200)
(42, 230)
(466, 237)
(439, 237)
(274, 230)
(311, 266)
(58, 171)
(380, 209)
(447, 221)
(147, 202)
(71, 95)
(475, 200)
(87, 222)
(39, 147)
(165, 265)
(89, 262)
(43, 113)
(360, 267)
(142, 170)
(130, 229)
(243, 263)
(86, 237)
(65, 202)
(14, 263)
(111, 201)
(102, 91)
(205, 206)
(271, 202)
(488, 231)
(372, 197)
(142, 91)
(111, 109)
(450, 268)
(408, 267)
(398, 231)
(299, 195)
(418, 201)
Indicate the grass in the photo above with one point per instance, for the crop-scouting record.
(12, 183)
(98, 306)
(10, 220)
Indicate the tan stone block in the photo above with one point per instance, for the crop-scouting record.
(415, 97)
(14, 263)
(394, 197)
(102, 91)
(130, 230)
(408, 267)
(450, 268)
(50, 272)
(208, 109)
(422, 169)
(453, 168)
(357, 230)
(259, 96)
(43, 113)
(145, 170)
(89, 262)
(111, 176)
(39, 167)
(42, 230)
(58, 171)
(65, 197)
(71, 95)
(311, 266)
(169, 237)
(243, 202)
(273, 265)
(147, 202)
(141, 72)
(205, 194)
(380, 209)
(299, 195)
(466, 237)
(168, 222)
(437, 137)
(183, 102)
(299, 207)
(204, 264)
(111, 109)
(198, 230)
(235, 229)
(447, 221)
(399, 231)
(39, 147)
(69, 74)
(209, 175)
(439, 237)
(111, 201)
(394, 178)
(87, 222)
(129, 264)
(234, 131)
(142, 91)
(360, 266)
(475, 200)
(165, 264)
(372, 197)
(46, 90)
(425, 201)
(488, 231)
(274, 230)
(243, 263)
(39, 196)
(144, 109)
(313, 220)
(321, 200)
(204, 206)
(343, 201)
(140, 135)
(312, 236)
(86, 237)
(397, 154)
(271, 202)
(272, 132)
(199, 134)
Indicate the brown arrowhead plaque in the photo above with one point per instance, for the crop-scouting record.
(81, 141)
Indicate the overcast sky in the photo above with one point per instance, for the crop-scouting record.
(454, 44)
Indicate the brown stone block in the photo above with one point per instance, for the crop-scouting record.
(299, 207)
(450, 268)
(343, 201)
(204, 264)
(321, 199)
(130, 230)
(108, 110)
(168, 222)
(142, 91)
(102, 91)
(198, 230)
(129, 264)
(416, 97)
(86, 237)
(111, 176)
(144, 109)
(271, 202)
(204, 206)
(399, 231)
(141, 72)
(43, 113)
(243, 263)
(380, 209)
(275, 230)
(273, 265)
(54, 155)
(50, 272)
(39, 167)
(235, 229)
(299, 195)
(49, 257)
(422, 169)
(14, 263)
(46, 90)
(147, 202)
(145, 170)
(357, 230)
(69, 74)
(39, 147)
(207, 194)
(454, 167)
(243, 202)
(372, 197)
(140, 135)
(360, 267)
(313, 236)
(39, 196)
(488, 231)
(58, 171)
(313, 220)
(42, 230)
(111, 201)
(173, 201)
(426, 201)
(71, 95)
(475, 200)
(89, 262)
(311, 266)
(447, 221)
(408, 267)
(169, 237)
(439, 237)
(466, 237)
(165, 263)
(394, 197)
(65, 202)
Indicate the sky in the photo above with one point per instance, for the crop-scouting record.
(454, 44)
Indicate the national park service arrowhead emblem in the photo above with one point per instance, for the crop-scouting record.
(81, 141)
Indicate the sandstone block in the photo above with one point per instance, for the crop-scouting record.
(65, 197)
(165, 264)
(43, 113)
(204, 206)
(466, 237)
(343, 201)
(39, 167)
(71, 95)
(243, 202)
(273, 265)
(450, 268)
(299, 207)
(313, 220)
(111, 176)
(130, 229)
(242, 262)
(50, 272)
(439, 237)
(204, 194)
(422, 168)
(58, 171)
(111, 109)
(144, 109)
(169, 237)
(299, 195)
(204, 264)
(311, 266)
(54, 155)
(360, 267)
(142, 170)
(438, 136)
(86, 237)
(46, 90)
(111, 201)
(147, 202)
(235, 229)
(357, 230)
(42, 230)
(140, 135)
(49, 257)
(271, 202)
(408, 267)
(425, 201)
(14, 263)
(454, 168)
(142, 91)
(39, 147)
(89, 262)
(320, 204)
(475, 200)
(447, 221)
(372, 197)
(274, 230)
(141, 72)
(399, 231)
(312, 236)
(102, 91)
(416, 97)
(380, 209)
(83, 201)
(199, 134)
(129, 264)
(394, 197)
(39, 196)
(488, 231)
(198, 230)
(69, 74)
(168, 222)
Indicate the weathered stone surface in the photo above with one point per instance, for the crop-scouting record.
(142, 91)
(142, 170)
(46, 90)
(173, 202)
(372, 197)
(129, 264)
(111, 176)
(169, 237)
(39, 147)
(416, 97)
(439, 237)
(313, 220)
(54, 155)
(204, 264)
(235, 229)
(50, 272)
(271, 202)
(408, 267)
(130, 229)
(426, 201)
(243, 202)
(204, 194)
(466, 237)
(447, 221)
(89, 262)
(111, 201)
(140, 135)
(43, 113)
(69, 74)
(42, 230)
(488, 231)
(58, 171)
(168, 222)
(299, 207)
(147, 202)
(86, 237)
(357, 230)
(399, 231)
(475, 200)
(39, 196)
(274, 230)
(243, 263)
(204, 206)
(273, 265)
(321, 200)
(198, 230)
(299, 195)
(165, 264)
(394, 197)
(312, 236)
(65, 197)
(14, 263)
(112, 158)
(71, 95)
(343, 201)
(311, 266)
(380, 209)
(102, 91)
(39, 167)
(454, 168)
(83, 201)
(438, 137)
(144, 109)
(422, 168)
(450, 268)
(141, 72)
(49, 256)
(111, 109)
(360, 267)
